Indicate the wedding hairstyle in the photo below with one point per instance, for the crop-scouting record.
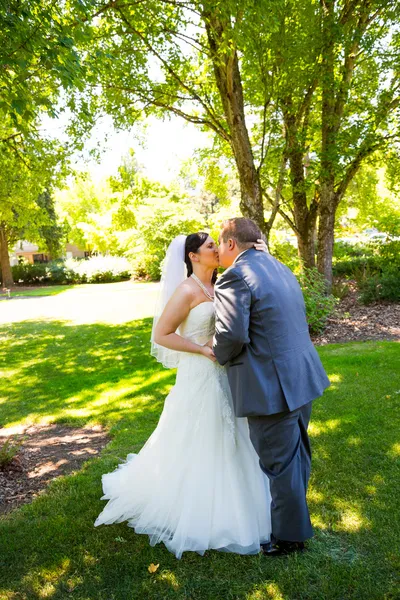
(193, 243)
(244, 231)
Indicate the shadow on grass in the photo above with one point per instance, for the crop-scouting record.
(61, 372)
(50, 548)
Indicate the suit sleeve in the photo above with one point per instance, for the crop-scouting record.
(232, 304)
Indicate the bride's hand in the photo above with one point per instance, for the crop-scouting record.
(261, 245)
(207, 352)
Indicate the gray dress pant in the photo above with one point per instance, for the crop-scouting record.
(282, 444)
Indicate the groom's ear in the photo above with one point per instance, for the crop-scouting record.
(231, 244)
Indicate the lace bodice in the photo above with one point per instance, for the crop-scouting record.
(199, 325)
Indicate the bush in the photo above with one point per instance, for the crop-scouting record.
(154, 236)
(381, 286)
(349, 260)
(286, 253)
(319, 304)
(98, 269)
(8, 450)
(31, 274)
(375, 266)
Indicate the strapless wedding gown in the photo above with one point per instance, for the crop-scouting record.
(196, 484)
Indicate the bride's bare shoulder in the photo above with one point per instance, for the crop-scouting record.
(186, 289)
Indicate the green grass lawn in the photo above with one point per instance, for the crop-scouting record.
(45, 290)
(58, 372)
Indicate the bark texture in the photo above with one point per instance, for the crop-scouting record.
(228, 79)
(6, 273)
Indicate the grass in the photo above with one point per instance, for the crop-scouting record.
(45, 290)
(97, 373)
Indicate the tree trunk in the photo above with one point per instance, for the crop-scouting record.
(306, 246)
(327, 213)
(304, 215)
(6, 273)
(227, 75)
(330, 120)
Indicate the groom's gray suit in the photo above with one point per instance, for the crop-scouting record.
(274, 373)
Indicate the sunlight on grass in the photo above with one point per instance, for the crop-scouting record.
(318, 522)
(102, 373)
(43, 582)
(88, 405)
(394, 451)
(334, 377)
(354, 441)
(314, 496)
(351, 520)
(169, 578)
(320, 427)
(269, 591)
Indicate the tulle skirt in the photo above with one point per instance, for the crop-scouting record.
(196, 484)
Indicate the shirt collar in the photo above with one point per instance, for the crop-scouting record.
(243, 251)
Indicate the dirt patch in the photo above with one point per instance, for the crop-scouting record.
(48, 451)
(353, 322)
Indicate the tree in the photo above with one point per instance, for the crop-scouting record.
(359, 102)
(152, 64)
(38, 58)
(99, 215)
(27, 170)
(317, 81)
(52, 233)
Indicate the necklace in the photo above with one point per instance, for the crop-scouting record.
(203, 287)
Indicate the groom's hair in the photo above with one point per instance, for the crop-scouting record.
(244, 231)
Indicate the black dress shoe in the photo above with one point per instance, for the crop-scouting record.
(281, 548)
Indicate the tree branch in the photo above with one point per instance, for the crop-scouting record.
(216, 124)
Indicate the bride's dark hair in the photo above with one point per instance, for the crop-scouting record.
(193, 242)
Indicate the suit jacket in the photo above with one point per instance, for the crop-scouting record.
(262, 337)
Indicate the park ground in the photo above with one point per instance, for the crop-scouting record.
(75, 370)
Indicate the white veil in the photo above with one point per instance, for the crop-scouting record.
(173, 272)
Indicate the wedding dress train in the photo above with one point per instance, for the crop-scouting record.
(196, 484)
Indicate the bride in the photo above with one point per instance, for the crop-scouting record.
(196, 484)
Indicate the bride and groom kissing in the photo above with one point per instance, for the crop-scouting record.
(228, 464)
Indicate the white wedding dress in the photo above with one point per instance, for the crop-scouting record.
(196, 484)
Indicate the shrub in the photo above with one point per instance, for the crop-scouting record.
(381, 286)
(340, 289)
(375, 266)
(349, 260)
(98, 269)
(8, 450)
(31, 274)
(154, 236)
(286, 253)
(319, 304)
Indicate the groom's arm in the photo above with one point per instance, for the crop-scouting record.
(232, 307)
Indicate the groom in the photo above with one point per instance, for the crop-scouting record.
(274, 372)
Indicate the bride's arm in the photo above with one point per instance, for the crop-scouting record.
(174, 313)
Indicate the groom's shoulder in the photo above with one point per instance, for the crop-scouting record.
(252, 261)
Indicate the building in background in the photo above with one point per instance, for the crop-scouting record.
(32, 253)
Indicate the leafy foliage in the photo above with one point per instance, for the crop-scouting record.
(381, 286)
(8, 450)
(319, 304)
(374, 265)
(158, 223)
(98, 269)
